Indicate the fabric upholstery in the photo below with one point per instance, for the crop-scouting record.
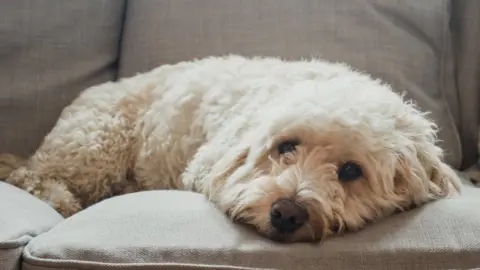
(22, 217)
(408, 45)
(162, 228)
(50, 50)
(466, 40)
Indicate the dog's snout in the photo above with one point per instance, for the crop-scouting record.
(287, 216)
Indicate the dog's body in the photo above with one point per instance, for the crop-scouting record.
(247, 133)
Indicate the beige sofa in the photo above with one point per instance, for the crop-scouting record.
(50, 50)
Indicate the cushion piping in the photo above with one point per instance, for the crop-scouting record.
(471, 259)
(19, 242)
(78, 264)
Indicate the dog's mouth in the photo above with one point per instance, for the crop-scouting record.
(280, 237)
(272, 233)
(303, 235)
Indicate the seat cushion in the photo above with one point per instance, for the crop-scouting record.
(22, 217)
(182, 230)
(405, 43)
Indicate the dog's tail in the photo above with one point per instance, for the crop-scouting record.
(9, 163)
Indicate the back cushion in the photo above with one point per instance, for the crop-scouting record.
(405, 43)
(50, 50)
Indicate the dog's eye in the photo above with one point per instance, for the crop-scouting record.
(287, 146)
(349, 171)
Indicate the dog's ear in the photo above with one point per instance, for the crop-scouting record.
(238, 163)
(421, 174)
(445, 178)
(419, 179)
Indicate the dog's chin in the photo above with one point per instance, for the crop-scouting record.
(296, 237)
(302, 235)
(281, 237)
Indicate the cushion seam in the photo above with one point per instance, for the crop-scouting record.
(140, 266)
(30, 259)
(19, 242)
(81, 265)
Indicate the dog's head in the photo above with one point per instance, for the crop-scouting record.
(331, 157)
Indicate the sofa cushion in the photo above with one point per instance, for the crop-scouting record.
(465, 33)
(50, 50)
(22, 217)
(182, 230)
(406, 43)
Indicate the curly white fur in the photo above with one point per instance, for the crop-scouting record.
(213, 125)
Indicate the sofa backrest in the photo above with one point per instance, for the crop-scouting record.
(465, 27)
(49, 52)
(53, 51)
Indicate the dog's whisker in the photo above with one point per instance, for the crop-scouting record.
(266, 194)
(312, 231)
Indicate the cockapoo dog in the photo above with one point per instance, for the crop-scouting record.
(301, 150)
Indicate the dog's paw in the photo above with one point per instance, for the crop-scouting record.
(475, 181)
(473, 174)
(57, 195)
(67, 208)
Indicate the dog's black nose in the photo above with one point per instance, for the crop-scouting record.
(287, 216)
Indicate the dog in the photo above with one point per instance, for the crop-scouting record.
(300, 150)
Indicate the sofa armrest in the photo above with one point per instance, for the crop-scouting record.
(22, 217)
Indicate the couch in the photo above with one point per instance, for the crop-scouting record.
(50, 50)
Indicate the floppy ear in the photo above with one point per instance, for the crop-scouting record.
(239, 163)
(445, 178)
(422, 176)
(421, 173)
(420, 179)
